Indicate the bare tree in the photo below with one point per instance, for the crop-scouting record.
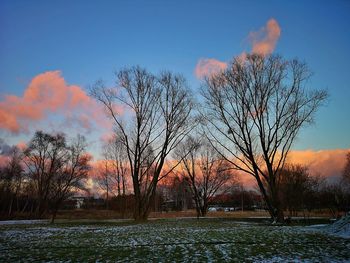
(254, 110)
(55, 168)
(70, 177)
(157, 109)
(105, 178)
(115, 152)
(346, 171)
(44, 158)
(207, 173)
(11, 179)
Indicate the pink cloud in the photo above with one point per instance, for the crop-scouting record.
(209, 66)
(263, 42)
(49, 93)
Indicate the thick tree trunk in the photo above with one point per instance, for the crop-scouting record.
(141, 208)
(203, 211)
(278, 215)
(140, 212)
(143, 202)
(272, 202)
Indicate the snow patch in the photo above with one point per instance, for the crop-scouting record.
(340, 227)
(24, 222)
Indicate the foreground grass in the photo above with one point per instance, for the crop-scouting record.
(169, 240)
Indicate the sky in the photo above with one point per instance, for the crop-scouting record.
(51, 52)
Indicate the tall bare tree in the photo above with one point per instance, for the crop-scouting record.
(156, 118)
(254, 110)
(206, 171)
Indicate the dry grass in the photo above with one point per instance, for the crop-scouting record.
(90, 214)
(110, 214)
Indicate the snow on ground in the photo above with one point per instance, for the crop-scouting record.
(24, 222)
(340, 227)
(171, 240)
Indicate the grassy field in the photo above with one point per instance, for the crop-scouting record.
(169, 240)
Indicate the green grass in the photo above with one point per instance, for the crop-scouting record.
(168, 240)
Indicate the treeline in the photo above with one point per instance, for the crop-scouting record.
(36, 181)
(40, 179)
(300, 192)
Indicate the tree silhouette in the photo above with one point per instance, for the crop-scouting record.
(253, 111)
(157, 116)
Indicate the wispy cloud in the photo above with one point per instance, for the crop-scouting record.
(263, 42)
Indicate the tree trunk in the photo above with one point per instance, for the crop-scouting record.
(266, 197)
(54, 213)
(272, 201)
(203, 211)
(278, 216)
(25, 205)
(198, 210)
(107, 205)
(39, 208)
(140, 212)
(10, 206)
(32, 208)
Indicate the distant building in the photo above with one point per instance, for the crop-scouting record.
(78, 201)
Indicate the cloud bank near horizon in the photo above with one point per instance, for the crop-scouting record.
(325, 163)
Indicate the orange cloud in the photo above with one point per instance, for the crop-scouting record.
(209, 66)
(264, 41)
(49, 93)
(326, 163)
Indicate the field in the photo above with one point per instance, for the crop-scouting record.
(168, 240)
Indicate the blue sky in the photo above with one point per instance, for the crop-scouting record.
(89, 40)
